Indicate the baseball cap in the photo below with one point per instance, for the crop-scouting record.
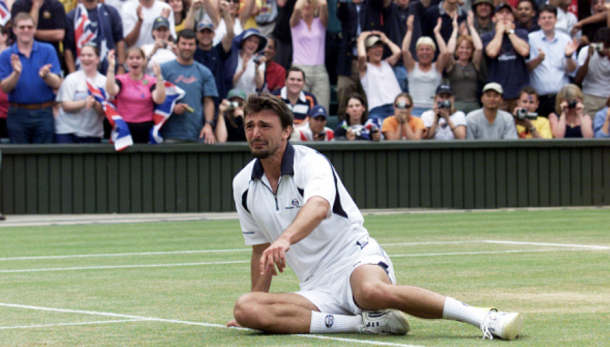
(318, 111)
(476, 2)
(372, 40)
(503, 5)
(444, 89)
(205, 23)
(493, 86)
(237, 93)
(160, 22)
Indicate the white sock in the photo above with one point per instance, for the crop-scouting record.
(324, 323)
(459, 311)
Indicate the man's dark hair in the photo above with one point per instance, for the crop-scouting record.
(296, 69)
(603, 35)
(187, 34)
(529, 91)
(534, 4)
(267, 102)
(548, 8)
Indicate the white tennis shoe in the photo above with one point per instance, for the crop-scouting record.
(384, 322)
(504, 325)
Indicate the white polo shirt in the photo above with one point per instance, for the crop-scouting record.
(264, 216)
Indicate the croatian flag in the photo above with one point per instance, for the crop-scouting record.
(5, 14)
(83, 30)
(120, 136)
(173, 93)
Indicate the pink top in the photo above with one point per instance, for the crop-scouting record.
(134, 101)
(308, 46)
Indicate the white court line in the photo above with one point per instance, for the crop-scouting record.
(174, 321)
(126, 254)
(549, 244)
(428, 243)
(481, 252)
(70, 324)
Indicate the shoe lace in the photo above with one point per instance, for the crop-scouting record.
(485, 324)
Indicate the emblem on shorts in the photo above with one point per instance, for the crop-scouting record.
(329, 320)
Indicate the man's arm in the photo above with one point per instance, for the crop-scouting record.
(208, 116)
(520, 45)
(495, 45)
(131, 38)
(310, 216)
(260, 283)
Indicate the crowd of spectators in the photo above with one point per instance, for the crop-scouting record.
(402, 69)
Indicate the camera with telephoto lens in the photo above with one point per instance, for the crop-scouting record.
(401, 105)
(572, 103)
(597, 46)
(523, 114)
(232, 106)
(444, 104)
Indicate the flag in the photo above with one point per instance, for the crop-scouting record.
(173, 93)
(83, 30)
(5, 14)
(120, 136)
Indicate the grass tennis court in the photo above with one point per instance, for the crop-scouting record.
(174, 283)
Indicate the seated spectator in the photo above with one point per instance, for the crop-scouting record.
(424, 73)
(464, 66)
(601, 123)
(402, 125)
(529, 123)
(444, 122)
(163, 49)
(4, 35)
(376, 74)
(355, 125)
(526, 16)
(298, 101)
(552, 59)
(136, 93)
(29, 71)
(594, 71)
(231, 117)
(275, 75)
(248, 64)
(316, 129)
(308, 43)
(505, 51)
(490, 122)
(572, 121)
(80, 117)
(138, 17)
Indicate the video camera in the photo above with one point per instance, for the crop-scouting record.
(523, 114)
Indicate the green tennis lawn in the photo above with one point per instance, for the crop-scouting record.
(174, 283)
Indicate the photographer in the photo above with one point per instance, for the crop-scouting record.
(443, 121)
(316, 129)
(355, 125)
(529, 125)
(402, 125)
(572, 122)
(163, 50)
(594, 71)
(231, 117)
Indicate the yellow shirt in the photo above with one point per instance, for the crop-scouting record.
(541, 124)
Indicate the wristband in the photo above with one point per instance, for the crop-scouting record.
(568, 56)
(210, 123)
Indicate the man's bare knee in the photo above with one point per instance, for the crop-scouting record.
(246, 310)
(373, 296)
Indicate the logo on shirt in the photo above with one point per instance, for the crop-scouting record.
(295, 204)
(329, 320)
(186, 80)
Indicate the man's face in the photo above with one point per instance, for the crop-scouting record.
(547, 21)
(205, 37)
(491, 100)
(25, 30)
(186, 48)
(317, 124)
(525, 12)
(504, 14)
(264, 133)
(483, 10)
(295, 82)
(270, 49)
(528, 102)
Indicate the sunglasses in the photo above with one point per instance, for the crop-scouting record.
(401, 106)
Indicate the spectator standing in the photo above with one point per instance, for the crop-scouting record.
(355, 125)
(464, 66)
(552, 59)
(29, 65)
(136, 93)
(376, 74)
(80, 117)
(333, 41)
(308, 43)
(230, 125)
(193, 116)
(538, 128)
(446, 11)
(601, 123)
(572, 122)
(425, 73)
(402, 125)
(239, 18)
(316, 129)
(50, 19)
(395, 30)
(275, 74)
(505, 51)
(594, 21)
(483, 12)
(182, 14)
(526, 16)
(246, 64)
(444, 122)
(4, 35)
(594, 71)
(163, 49)
(265, 20)
(107, 27)
(565, 19)
(138, 17)
(282, 33)
(298, 101)
(490, 122)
